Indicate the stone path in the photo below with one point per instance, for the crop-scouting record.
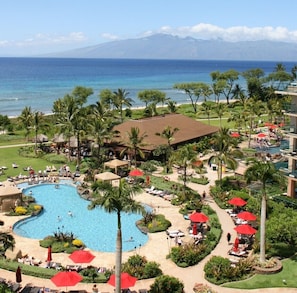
(156, 249)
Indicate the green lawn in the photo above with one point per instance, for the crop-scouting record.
(11, 154)
(289, 274)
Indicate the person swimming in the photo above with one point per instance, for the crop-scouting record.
(70, 214)
(130, 240)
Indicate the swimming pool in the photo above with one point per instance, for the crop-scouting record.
(275, 149)
(96, 228)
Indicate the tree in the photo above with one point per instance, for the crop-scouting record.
(167, 284)
(171, 106)
(206, 108)
(118, 200)
(194, 90)
(71, 115)
(220, 109)
(230, 76)
(184, 157)
(25, 119)
(7, 241)
(225, 152)
(263, 172)
(135, 142)
(37, 124)
(120, 99)
(168, 134)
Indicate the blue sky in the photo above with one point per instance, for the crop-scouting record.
(30, 27)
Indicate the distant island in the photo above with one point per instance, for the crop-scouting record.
(164, 46)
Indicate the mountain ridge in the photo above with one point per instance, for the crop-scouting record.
(163, 46)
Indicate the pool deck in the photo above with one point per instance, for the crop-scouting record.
(156, 248)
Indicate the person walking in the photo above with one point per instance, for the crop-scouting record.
(228, 237)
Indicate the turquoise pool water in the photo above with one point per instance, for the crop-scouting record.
(96, 228)
(274, 150)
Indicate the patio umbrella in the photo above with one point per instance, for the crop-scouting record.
(236, 243)
(247, 216)
(18, 275)
(49, 254)
(66, 279)
(235, 134)
(81, 256)
(198, 217)
(245, 229)
(194, 230)
(127, 280)
(136, 172)
(261, 135)
(237, 201)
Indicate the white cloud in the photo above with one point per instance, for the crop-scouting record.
(232, 34)
(46, 39)
(109, 36)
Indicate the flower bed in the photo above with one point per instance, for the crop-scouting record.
(274, 266)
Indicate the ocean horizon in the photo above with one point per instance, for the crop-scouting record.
(38, 82)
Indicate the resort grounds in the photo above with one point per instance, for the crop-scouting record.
(156, 249)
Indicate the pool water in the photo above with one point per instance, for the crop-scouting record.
(275, 149)
(96, 228)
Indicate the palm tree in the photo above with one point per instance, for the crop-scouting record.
(206, 109)
(225, 151)
(72, 116)
(264, 172)
(183, 157)
(25, 119)
(7, 241)
(220, 109)
(120, 99)
(168, 134)
(37, 124)
(118, 200)
(135, 142)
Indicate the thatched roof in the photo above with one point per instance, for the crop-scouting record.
(189, 130)
(114, 164)
(7, 188)
(107, 176)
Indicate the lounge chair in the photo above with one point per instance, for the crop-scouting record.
(175, 233)
(149, 190)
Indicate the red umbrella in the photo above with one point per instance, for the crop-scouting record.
(49, 254)
(136, 172)
(245, 229)
(235, 134)
(127, 281)
(237, 201)
(66, 279)
(198, 217)
(81, 256)
(261, 135)
(247, 216)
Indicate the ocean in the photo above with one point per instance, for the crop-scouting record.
(38, 82)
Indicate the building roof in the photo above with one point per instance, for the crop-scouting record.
(189, 130)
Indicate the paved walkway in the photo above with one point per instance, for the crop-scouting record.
(156, 249)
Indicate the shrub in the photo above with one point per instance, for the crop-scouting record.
(139, 267)
(20, 210)
(77, 243)
(188, 254)
(202, 288)
(154, 223)
(219, 270)
(167, 284)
